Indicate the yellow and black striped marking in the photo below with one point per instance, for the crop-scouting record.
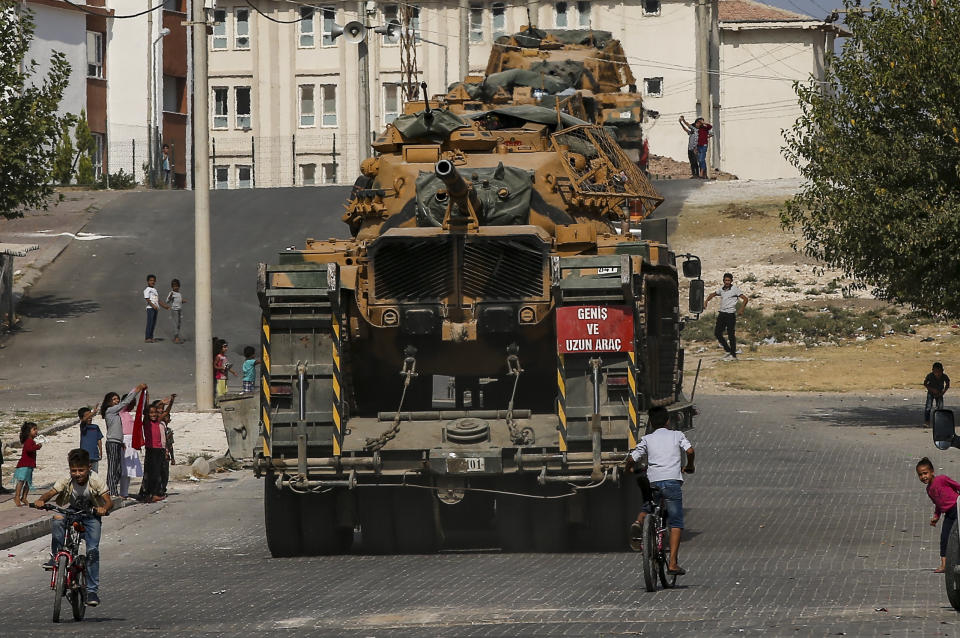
(633, 406)
(265, 385)
(337, 380)
(562, 403)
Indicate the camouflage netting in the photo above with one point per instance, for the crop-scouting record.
(504, 193)
(530, 39)
(517, 116)
(435, 126)
(547, 76)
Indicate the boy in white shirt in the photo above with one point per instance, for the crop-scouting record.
(664, 449)
(152, 297)
(727, 315)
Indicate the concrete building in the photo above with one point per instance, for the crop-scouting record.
(763, 50)
(129, 74)
(285, 94)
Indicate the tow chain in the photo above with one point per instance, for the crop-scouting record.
(517, 436)
(409, 371)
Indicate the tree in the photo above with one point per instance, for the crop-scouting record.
(878, 143)
(63, 157)
(85, 149)
(30, 125)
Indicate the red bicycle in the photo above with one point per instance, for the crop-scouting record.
(68, 577)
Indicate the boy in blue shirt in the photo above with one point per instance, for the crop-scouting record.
(249, 369)
(91, 438)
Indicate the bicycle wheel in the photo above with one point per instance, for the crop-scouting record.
(79, 599)
(650, 552)
(668, 580)
(59, 584)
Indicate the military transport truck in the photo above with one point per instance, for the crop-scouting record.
(487, 248)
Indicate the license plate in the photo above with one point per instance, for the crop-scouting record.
(469, 464)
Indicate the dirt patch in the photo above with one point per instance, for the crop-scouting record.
(668, 168)
(897, 363)
(743, 211)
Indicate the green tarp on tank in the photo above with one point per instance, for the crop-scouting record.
(527, 113)
(504, 193)
(546, 76)
(531, 39)
(435, 127)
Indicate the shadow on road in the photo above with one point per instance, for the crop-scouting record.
(56, 307)
(908, 415)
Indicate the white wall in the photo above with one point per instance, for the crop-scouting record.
(128, 85)
(756, 109)
(66, 32)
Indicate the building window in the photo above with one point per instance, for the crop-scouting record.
(244, 177)
(219, 29)
(173, 94)
(174, 5)
(221, 177)
(94, 54)
(97, 158)
(220, 111)
(499, 10)
(307, 111)
(415, 23)
(242, 29)
(583, 14)
(391, 102)
(476, 22)
(328, 20)
(329, 173)
(308, 174)
(391, 13)
(243, 107)
(653, 87)
(651, 7)
(306, 27)
(329, 93)
(560, 15)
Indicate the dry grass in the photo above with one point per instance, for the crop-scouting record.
(896, 363)
(760, 217)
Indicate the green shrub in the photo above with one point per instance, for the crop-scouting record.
(118, 181)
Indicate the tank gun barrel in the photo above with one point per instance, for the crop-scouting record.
(459, 191)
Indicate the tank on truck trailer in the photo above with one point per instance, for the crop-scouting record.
(582, 72)
(490, 257)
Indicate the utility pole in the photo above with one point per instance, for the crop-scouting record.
(203, 345)
(464, 39)
(364, 73)
(703, 63)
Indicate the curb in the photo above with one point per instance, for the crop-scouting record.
(13, 443)
(24, 532)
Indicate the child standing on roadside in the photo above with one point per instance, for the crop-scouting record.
(91, 438)
(221, 365)
(943, 491)
(249, 370)
(175, 301)
(23, 475)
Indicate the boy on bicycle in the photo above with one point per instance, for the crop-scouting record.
(664, 450)
(82, 490)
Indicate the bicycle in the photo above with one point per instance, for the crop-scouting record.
(68, 577)
(656, 546)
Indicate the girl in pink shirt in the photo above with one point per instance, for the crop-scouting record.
(943, 491)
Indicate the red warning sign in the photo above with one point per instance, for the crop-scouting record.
(594, 329)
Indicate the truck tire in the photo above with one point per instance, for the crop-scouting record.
(281, 518)
(415, 521)
(513, 523)
(318, 524)
(952, 579)
(376, 519)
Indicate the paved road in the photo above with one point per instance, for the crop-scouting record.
(804, 519)
(84, 319)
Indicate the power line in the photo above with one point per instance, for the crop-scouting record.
(113, 17)
(272, 19)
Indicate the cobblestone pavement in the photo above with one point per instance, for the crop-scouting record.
(805, 518)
